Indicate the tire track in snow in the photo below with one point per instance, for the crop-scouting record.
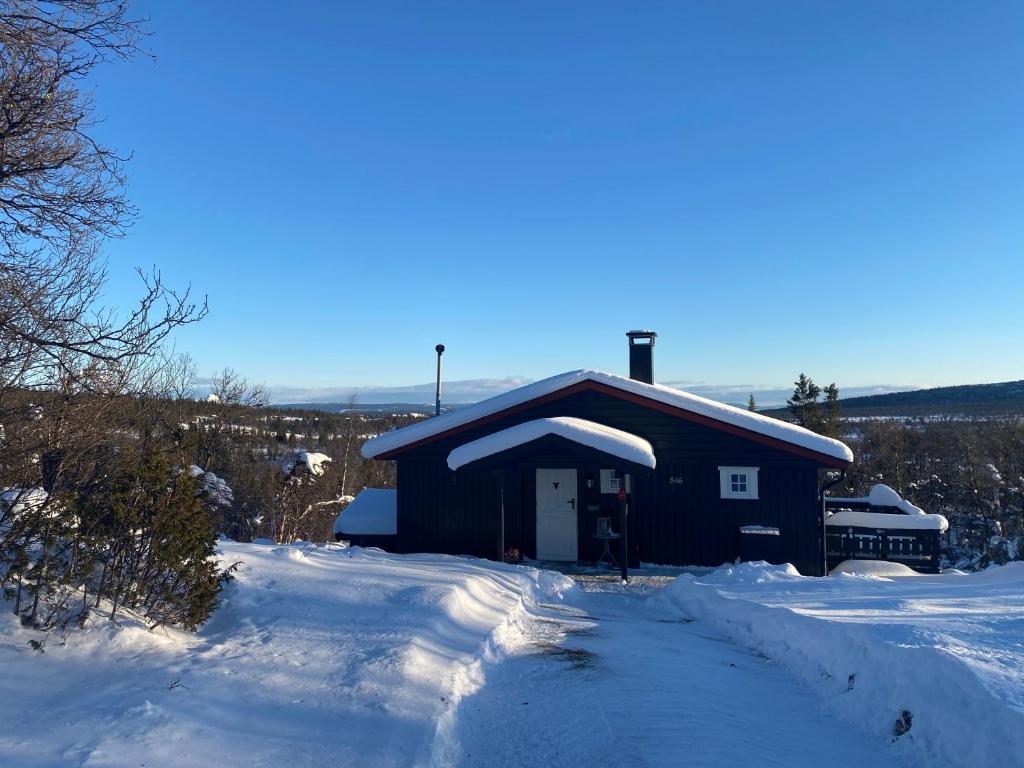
(651, 692)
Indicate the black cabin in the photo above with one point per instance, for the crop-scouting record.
(539, 470)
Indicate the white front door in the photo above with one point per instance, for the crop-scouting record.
(556, 514)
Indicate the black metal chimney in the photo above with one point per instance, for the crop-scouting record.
(641, 355)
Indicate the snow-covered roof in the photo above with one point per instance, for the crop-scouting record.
(880, 495)
(373, 512)
(727, 414)
(850, 517)
(589, 433)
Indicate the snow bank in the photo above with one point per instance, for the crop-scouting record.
(852, 517)
(728, 414)
(318, 656)
(608, 440)
(373, 512)
(756, 572)
(872, 568)
(946, 649)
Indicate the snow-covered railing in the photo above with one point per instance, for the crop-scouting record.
(909, 539)
(882, 526)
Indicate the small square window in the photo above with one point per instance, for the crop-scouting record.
(738, 482)
(609, 481)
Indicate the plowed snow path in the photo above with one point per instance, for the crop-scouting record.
(613, 684)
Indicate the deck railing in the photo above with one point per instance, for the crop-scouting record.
(917, 549)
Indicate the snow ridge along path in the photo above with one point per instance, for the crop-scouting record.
(320, 656)
(619, 682)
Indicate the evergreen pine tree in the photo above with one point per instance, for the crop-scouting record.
(153, 542)
(831, 426)
(751, 405)
(804, 403)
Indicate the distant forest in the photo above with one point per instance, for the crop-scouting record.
(967, 465)
(969, 400)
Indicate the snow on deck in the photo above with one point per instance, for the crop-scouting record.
(373, 512)
(857, 519)
(614, 442)
(728, 414)
(881, 495)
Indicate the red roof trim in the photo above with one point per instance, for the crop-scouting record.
(682, 413)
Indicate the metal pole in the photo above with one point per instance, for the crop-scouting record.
(823, 552)
(501, 504)
(498, 475)
(623, 526)
(437, 398)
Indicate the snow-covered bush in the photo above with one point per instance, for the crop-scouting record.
(139, 539)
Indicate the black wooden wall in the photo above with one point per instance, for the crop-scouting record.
(679, 516)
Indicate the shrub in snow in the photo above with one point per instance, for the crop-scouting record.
(214, 490)
(302, 462)
(138, 539)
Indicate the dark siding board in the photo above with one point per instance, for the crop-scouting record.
(685, 524)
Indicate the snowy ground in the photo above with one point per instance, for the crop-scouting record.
(320, 657)
(323, 656)
(947, 649)
(615, 683)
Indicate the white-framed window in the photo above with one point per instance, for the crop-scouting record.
(738, 482)
(610, 481)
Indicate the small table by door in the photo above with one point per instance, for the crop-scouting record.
(607, 553)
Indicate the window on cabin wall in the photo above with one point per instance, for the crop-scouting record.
(738, 482)
(609, 481)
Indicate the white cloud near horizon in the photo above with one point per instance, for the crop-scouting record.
(474, 390)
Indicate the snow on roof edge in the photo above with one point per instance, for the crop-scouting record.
(373, 512)
(600, 437)
(729, 414)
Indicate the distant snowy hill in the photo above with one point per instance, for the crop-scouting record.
(405, 409)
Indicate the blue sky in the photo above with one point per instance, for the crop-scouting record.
(833, 187)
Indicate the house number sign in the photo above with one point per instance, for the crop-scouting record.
(675, 480)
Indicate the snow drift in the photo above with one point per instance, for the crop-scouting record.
(320, 655)
(945, 649)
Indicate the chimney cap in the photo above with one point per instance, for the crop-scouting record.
(634, 335)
